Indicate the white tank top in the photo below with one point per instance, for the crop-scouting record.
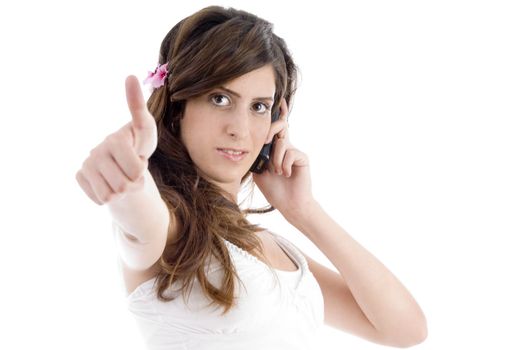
(287, 315)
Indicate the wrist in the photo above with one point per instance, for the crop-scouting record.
(299, 216)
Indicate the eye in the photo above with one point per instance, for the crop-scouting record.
(216, 99)
(262, 110)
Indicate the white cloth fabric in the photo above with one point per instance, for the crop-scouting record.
(269, 315)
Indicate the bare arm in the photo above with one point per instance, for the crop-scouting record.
(142, 214)
(116, 173)
(383, 299)
(141, 221)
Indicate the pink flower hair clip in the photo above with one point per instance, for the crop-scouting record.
(157, 77)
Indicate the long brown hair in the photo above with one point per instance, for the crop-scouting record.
(203, 51)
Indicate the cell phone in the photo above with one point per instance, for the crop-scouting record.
(261, 162)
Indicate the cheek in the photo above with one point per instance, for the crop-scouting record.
(197, 136)
(262, 132)
(193, 127)
(190, 137)
(184, 131)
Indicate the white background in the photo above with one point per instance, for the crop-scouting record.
(412, 114)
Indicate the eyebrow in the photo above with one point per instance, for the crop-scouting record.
(238, 95)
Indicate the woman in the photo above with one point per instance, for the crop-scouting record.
(171, 177)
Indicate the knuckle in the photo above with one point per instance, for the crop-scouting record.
(96, 152)
(87, 169)
(139, 183)
(106, 197)
(112, 140)
(136, 174)
(139, 171)
(123, 187)
(94, 198)
(78, 176)
(112, 137)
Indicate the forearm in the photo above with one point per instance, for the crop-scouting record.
(384, 300)
(143, 213)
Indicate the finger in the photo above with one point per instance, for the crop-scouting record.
(280, 124)
(288, 160)
(86, 187)
(278, 151)
(270, 167)
(283, 133)
(113, 175)
(99, 185)
(276, 128)
(297, 159)
(127, 160)
(136, 102)
(284, 109)
(117, 180)
(143, 123)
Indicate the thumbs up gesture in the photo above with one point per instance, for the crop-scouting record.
(116, 166)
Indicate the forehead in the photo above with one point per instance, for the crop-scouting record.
(260, 82)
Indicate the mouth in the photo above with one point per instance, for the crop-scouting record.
(232, 154)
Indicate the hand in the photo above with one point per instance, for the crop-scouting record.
(116, 166)
(290, 191)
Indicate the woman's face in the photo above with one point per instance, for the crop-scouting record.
(233, 116)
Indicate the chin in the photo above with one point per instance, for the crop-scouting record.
(227, 176)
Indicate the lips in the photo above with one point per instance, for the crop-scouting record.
(231, 156)
(233, 149)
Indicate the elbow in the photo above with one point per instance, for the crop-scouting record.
(413, 341)
(407, 336)
(415, 337)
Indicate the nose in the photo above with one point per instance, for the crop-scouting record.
(237, 124)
